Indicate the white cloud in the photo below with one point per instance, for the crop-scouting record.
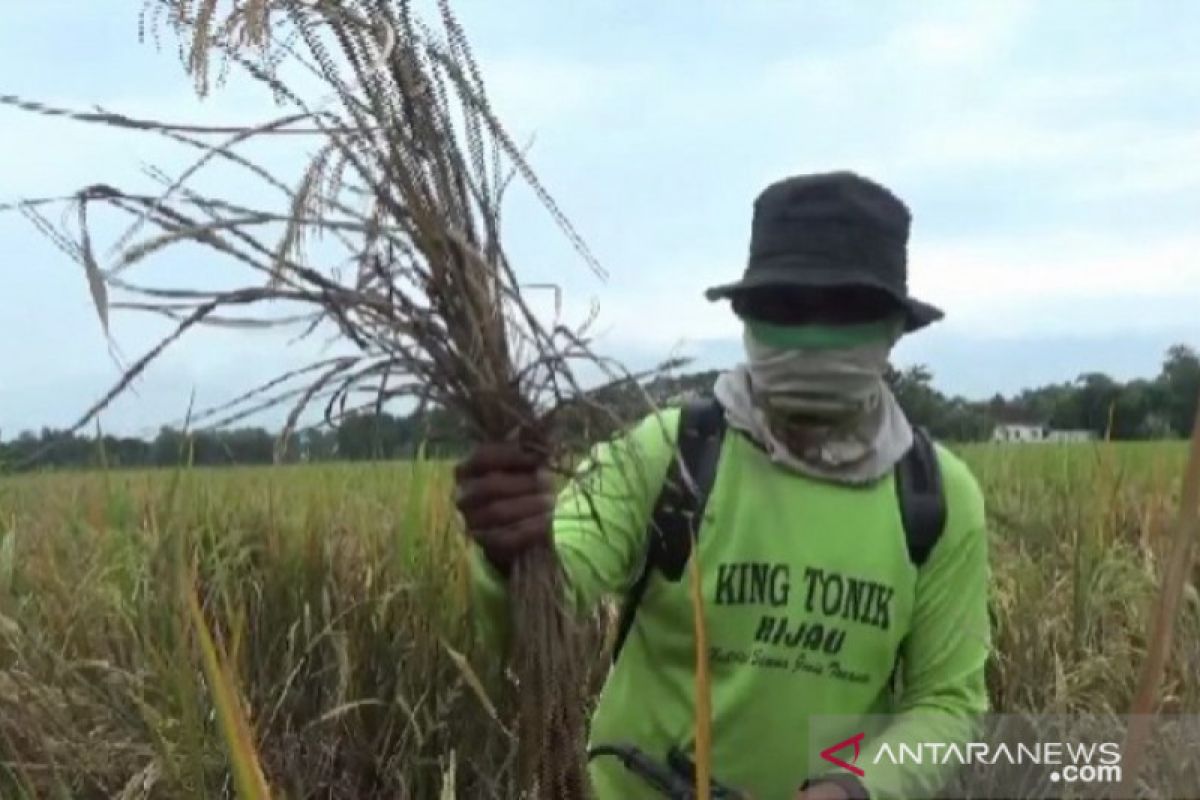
(1073, 282)
(1151, 163)
(957, 35)
(1065, 282)
(942, 96)
(939, 45)
(531, 91)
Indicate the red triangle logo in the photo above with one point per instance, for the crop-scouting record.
(856, 742)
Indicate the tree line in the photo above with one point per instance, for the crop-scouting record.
(359, 437)
(1155, 408)
(1162, 407)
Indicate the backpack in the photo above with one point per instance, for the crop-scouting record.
(682, 500)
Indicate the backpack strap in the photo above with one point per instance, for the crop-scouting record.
(922, 500)
(679, 510)
(922, 508)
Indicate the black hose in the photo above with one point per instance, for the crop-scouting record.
(675, 780)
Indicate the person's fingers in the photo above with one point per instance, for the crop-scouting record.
(505, 545)
(509, 511)
(473, 493)
(497, 457)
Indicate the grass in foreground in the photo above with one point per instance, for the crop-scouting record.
(337, 600)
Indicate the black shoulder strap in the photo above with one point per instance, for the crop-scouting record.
(922, 507)
(681, 502)
(922, 501)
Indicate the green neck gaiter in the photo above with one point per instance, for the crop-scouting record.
(822, 337)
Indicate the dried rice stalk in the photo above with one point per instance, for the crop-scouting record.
(1174, 580)
(407, 181)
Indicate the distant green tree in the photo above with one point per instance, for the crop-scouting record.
(913, 388)
(951, 419)
(168, 447)
(362, 437)
(1095, 396)
(1180, 380)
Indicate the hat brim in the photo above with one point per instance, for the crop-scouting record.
(917, 314)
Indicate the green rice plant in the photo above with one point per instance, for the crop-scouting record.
(340, 596)
(352, 648)
(235, 728)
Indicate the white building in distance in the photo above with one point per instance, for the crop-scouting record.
(1028, 433)
(1071, 436)
(1019, 432)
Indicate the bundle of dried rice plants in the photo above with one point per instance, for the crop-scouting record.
(408, 177)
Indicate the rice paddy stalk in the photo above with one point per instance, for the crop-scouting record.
(235, 728)
(408, 179)
(1162, 630)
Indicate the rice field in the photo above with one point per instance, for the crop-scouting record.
(337, 595)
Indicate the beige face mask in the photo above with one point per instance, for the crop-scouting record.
(826, 386)
(824, 411)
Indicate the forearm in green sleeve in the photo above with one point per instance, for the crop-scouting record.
(599, 525)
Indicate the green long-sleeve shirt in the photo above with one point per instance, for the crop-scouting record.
(811, 601)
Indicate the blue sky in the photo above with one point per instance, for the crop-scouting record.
(1049, 152)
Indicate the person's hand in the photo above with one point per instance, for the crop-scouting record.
(506, 497)
(824, 790)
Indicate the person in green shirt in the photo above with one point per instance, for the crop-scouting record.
(814, 604)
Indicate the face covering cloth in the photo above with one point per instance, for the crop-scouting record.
(814, 398)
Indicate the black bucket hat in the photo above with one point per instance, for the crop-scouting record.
(831, 230)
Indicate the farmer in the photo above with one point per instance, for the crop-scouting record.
(815, 603)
